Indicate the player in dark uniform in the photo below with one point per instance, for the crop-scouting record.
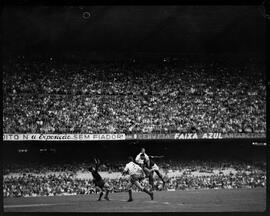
(149, 167)
(99, 182)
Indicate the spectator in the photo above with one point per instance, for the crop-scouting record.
(43, 96)
(53, 180)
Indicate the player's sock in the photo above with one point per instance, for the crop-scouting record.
(164, 182)
(151, 182)
(152, 187)
(106, 195)
(160, 176)
(100, 195)
(146, 191)
(130, 195)
(150, 193)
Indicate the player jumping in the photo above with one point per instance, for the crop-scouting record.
(99, 182)
(149, 167)
(136, 175)
(138, 159)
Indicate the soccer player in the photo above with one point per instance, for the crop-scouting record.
(138, 157)
(149, 167)
(136, 175)
(98, 181)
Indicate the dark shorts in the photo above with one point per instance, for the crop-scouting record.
(100, 184)
(134, 178)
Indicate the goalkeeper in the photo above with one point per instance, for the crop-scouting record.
(99, 182)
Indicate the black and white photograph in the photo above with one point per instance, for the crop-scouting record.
(134, 108)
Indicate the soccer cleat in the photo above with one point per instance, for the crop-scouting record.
(130, 200)
(99, 200)
(107, 198)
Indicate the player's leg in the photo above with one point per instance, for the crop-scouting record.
(129, 187)
(159, 175)
(156, 169)
(147, 171)
(130, 199)
(100, 194)
(138, 185)
(107, 189)
(151, 180)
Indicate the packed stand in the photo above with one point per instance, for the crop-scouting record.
(64, 97)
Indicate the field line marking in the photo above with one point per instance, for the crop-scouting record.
(32, 205)
(122, 200)
(152, 201)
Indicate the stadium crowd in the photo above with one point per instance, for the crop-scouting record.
(50, 96)
(65, 182)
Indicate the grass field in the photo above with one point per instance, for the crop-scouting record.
(165, 201)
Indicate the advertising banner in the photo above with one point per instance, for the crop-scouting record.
(62, 137)
(195, 136)
(100, 137)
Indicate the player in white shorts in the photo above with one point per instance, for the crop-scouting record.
(136, 175)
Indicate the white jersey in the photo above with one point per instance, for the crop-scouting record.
(139, 160)
(133, 169)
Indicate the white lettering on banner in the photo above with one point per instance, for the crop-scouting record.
(11, 136)
(186, 136)
(25, 136)
(87, 136)
(196, 136)
(212, 136)
(152, 136)
(62, 137)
